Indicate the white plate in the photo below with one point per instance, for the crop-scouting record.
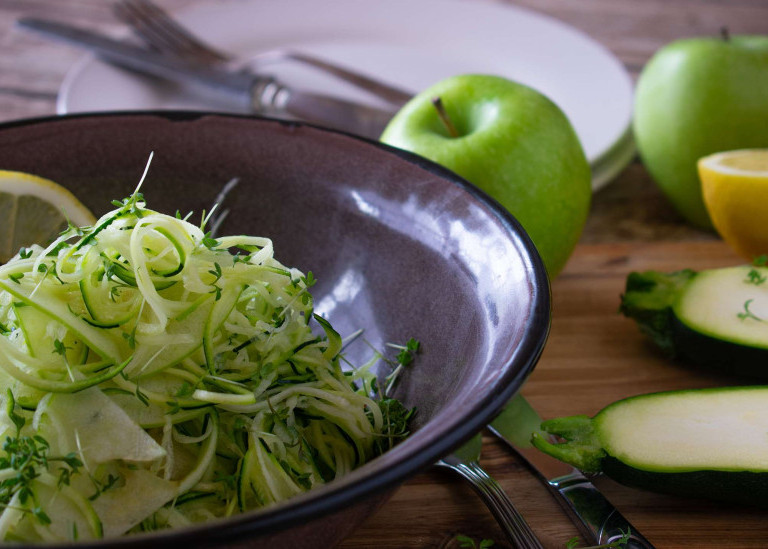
(413, 43)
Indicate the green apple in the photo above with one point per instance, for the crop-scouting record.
(696, 97)
(513, 143)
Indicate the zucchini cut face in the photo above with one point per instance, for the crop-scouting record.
(727, 304)
(706, 429)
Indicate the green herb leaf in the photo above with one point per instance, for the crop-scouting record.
(59, 348)
(754, 277)
(747, 313)
(102, 487)
(41, 516)
(309, 280)
(209, 242)
(130, 338)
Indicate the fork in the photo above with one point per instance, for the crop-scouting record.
(163, 33)
(464, 462)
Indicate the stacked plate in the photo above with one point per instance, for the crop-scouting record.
(412, 44)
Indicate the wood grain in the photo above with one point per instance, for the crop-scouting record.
(593, 357)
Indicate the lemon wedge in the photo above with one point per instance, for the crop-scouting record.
(34, 210)
(735, 189)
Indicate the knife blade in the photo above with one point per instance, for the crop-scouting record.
(245, 90)
(595, 516)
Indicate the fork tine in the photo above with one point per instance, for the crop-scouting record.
(127, 13)
(162, 32)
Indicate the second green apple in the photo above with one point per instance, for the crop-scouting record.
(513, 143)
(696, 97)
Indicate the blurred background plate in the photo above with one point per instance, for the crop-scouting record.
(409, 43)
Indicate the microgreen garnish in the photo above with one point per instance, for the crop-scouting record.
(396, 418)
(210, 242)
(240, 258)
(754, 277)
(25, 253)
(747, 313)
(309, 280)
(404, 358)
(59, 348)
(16, 277)
(27, 455)
(467, 542)
(130, 337)
(102, 487)
(216, 272)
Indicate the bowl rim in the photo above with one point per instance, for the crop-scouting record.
(331, 499)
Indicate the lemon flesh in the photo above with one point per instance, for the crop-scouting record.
(34, 210)
(734, 185)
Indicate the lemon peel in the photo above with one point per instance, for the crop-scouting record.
(34, 210)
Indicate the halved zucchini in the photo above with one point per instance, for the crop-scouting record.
(707, 443)
(716, 319)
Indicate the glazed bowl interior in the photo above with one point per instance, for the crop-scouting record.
(400, 248)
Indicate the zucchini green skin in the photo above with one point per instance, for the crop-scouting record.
(650, 298)
(743, 487)
(717, 355)
(590, 444)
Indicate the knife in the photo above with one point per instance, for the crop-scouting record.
(245, 90)
(596, 517)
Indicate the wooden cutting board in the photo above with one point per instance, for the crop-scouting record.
(593, 357)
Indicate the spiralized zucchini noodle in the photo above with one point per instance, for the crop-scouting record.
(155, 376)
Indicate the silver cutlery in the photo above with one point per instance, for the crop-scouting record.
(162, 32)
(464, 462)
(596, 517)
(248, 91)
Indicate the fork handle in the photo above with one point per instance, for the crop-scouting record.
(515, 528)
(393, 95)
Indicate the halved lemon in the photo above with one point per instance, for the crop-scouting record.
(34, 210)
(735, 189)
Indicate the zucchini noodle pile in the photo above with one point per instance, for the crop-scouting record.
(155, 377)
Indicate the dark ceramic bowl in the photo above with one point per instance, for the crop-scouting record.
(400, 246)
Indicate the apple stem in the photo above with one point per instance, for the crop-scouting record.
(724, 34)
(446, 120)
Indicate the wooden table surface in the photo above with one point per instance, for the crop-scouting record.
(593, 356)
